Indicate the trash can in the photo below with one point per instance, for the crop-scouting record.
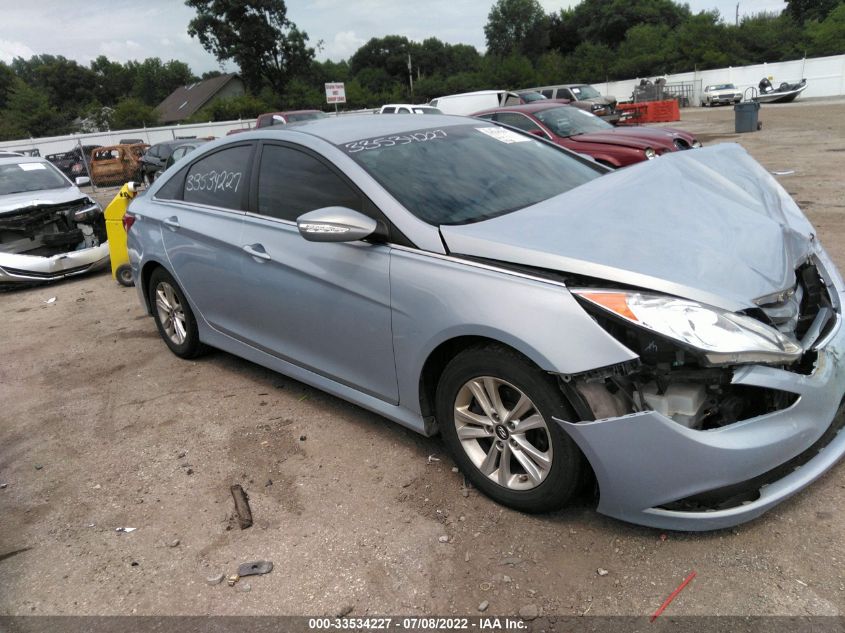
(116, 234)
(745, 114)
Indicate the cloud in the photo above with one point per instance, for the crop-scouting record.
(342, 46)
(122, 50)
(9, 50)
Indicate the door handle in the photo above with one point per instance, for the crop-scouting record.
(257, 251)
(171, 222)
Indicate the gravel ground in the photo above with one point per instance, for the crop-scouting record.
(102, 427)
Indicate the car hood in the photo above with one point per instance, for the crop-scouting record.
(639, 138)
(710, 225)
(17, 201)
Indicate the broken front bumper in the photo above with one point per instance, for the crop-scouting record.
(31, 269)
(645, 460)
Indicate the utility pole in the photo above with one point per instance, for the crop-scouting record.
(411, 77)
(737, 13)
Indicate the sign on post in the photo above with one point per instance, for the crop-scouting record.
(335, 93)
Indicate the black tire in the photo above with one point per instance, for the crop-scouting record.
(148, 178)
(564, 475)
(190, 347)
(123, 274)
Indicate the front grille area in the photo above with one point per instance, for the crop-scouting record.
(794, 313)
(51, 275)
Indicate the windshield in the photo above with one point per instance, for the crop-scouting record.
(306, 116)
(468, 173)
(585, 92)
(723, 87)
(566, 121)
(528, 97)
(20, 177)
(418, 110)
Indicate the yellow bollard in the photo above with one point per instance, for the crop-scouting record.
(118, 252)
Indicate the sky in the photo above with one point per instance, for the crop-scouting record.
(136, 29)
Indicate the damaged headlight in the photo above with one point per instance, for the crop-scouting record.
(87, 212)
(723, 337)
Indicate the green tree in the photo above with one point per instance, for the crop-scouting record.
(132, 112)
(805, 10)
(607, 21)
(648, 49)
(769, 37)
(29, 113)
(257, 35)
(517, 26)
(245, 106)
(153, 80)
(828, 37)
(705, 42)
(388, 54)
(7, 82)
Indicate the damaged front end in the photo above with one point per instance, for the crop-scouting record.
(48, 240)
(725, 414)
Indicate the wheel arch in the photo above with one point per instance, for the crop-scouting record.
(445, 351)
(147, 271)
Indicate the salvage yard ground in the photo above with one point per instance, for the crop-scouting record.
(102, 427)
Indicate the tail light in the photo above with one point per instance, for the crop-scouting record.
(128, 221)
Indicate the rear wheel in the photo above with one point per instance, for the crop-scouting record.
(173, 316)
(495, 412)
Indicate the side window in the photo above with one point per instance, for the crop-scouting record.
(518, 121)
(172, 189)
(403, 111)
(388, 111)
(489, 117)
(219, 179)
(291, 183)
(512, 100)
(548, 94)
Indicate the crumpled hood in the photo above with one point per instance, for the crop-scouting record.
(17, 201)
(710, 225)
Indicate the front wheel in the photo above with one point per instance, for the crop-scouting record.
(495, 410)
(173, 316)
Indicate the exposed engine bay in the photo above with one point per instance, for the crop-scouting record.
(680, 383)
(50, 229)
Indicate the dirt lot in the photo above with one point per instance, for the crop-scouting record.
(103, 427)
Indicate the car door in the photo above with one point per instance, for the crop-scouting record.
(201, 227)
(323, 306)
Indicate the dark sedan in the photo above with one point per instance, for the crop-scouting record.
(585, 133)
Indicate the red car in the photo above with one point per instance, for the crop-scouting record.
(586, 133)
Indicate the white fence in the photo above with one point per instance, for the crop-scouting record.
(151, 135)
(825, 78)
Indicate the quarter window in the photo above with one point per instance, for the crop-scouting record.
(519, 121)
(219, 180)
(291, 183)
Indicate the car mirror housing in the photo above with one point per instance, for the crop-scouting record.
(335, 224)
(81, 181)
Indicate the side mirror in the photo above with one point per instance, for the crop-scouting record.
(81, 181)
(335, 224)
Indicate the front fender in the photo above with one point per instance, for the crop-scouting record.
(437, 298)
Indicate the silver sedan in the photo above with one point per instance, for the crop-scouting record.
(671, 330)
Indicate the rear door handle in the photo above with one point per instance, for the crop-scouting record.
(257, 251)
(171, 222)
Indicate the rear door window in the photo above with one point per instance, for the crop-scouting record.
(220, 179)
(516, 120)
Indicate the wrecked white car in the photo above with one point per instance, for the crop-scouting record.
(49, 229)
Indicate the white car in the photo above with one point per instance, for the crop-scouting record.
(720, 94)
(407, 108)
(49, 229)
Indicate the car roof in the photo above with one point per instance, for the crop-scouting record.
(344, 129)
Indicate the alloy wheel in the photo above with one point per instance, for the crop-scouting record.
(171, 313)
(503, 433)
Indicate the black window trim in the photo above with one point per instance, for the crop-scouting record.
(394, 235)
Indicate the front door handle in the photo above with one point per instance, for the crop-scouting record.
(171, 222)
(257, 251)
